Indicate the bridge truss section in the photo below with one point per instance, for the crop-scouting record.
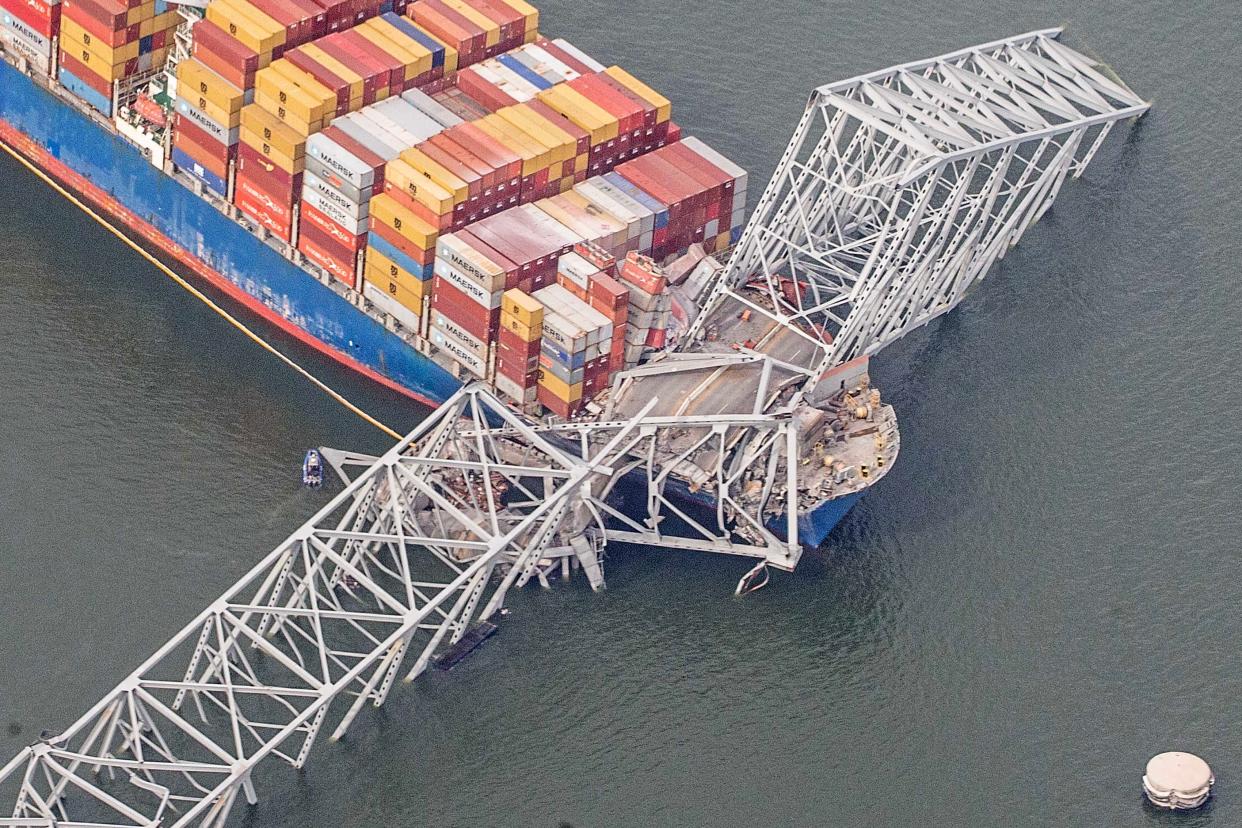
(423, 542)
(901, 188)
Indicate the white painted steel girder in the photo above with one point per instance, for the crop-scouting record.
(900, 188)
(398, 564)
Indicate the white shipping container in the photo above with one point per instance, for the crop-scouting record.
(409, 118)
(442, 323)
(351, 225)
(392, 307)
(329, 176)
(488, 299)
(38, 62)
(579, 55)
(463, 356)
(364, 131)
(430, 107)
(391, 130)
(355, 210)
(577, 270)
(344, 163)
(227, 137)
(469, 261)
(36, 41)
(515, 392)
(545, 64)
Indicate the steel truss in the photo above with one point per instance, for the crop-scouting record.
(399, 564)
(900, 188)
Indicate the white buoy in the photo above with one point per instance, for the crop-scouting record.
(1178, 781)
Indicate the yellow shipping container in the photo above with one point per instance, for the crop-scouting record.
(298, 123)
(250, 26)
(663, 107)
(432, 170)
(159, 23)
(518, 141)
(105, 70)
(413, 63)
(395, 280)
(418, 187)
(559, 388)
(139, 14)
(491, 29)
(530, 16)
(196, 81)
(523, 332)
(582, 111)
(561, 146)
(323, 97)
(522, 307)
(337, 68)
(392, 214)
(71, 32)
(209, 108)
(275, 140)
(515, 126)
(424, 55)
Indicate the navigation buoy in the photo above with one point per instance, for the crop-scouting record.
(1178, 781)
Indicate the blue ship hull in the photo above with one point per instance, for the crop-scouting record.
(265, 280)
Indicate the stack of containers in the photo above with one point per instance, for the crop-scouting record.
(469, 281)
(649, 305)
(518, 248)
(207, 124)
(701, 198)
(514, 77)
(584, 273)
(575, 347)
(477, 29)
(271, 159)
(637, 218)
(518, 345)
(29, 27)
(103, 41)
(734, 206)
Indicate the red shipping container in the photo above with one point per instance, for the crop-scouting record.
(556, 405)
(691, 164)
(275, 183)
(99, 17)
(261, 213)
(485, 146)
(209, 147)
(208, 158)
(329, 262)
(79, 70)
(347, 242)
(611, 294)
(482, 323)
(223, 54)
(516, 373)
(432, 21)
(580, 135)
(393, 68)
(37, 14)
(373, 75)
(325, 76)
(347, 255)
(401, 243)
(271, 178)
(629, 114)
(280, 210)
(489, 176)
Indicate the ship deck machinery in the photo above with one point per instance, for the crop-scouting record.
(920, 178)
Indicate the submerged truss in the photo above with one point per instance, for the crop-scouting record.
(901, 188)
(897, 192)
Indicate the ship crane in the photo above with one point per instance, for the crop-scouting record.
(897, 193)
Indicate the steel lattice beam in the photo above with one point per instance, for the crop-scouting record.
(901, 188)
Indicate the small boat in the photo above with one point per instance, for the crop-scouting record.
(312, 469)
